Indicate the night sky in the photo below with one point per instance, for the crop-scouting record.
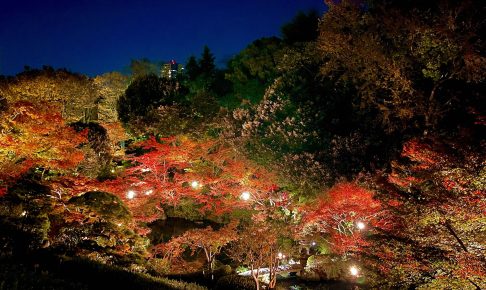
(97, 36)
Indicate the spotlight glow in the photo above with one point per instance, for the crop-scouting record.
(354, 270)
(149, 192)
(245, 195)
(130, 194)
(194, 184)
(360, 225)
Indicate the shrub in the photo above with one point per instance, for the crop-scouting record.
(235, 282)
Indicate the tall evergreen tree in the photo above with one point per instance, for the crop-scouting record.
(192, 68)
(206, 63)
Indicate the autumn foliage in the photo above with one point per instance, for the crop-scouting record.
(337, 214)
(35, 134)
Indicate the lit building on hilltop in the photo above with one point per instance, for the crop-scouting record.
(171, 70)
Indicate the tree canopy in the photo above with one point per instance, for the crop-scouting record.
(354, 144)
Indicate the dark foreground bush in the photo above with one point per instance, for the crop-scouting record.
(235, 282)
(79, 274)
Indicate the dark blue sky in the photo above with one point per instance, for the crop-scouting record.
(96, 36)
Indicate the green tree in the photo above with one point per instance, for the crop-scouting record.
(143, 67)
(146, 93)
(206, 63)
(409, 60)
(303, 28)
(254, 68)
(192, 69)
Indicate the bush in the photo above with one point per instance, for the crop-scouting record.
(159, 266)
(105, 204)
(235, 282)
(80, 274)
(24, 222)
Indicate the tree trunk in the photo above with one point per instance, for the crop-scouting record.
(430, 114)
(255, 277)
(211, 268)
(257, 283)
(453, 233)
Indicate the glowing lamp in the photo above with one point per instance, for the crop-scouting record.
(149, 192)
(360, 225)
(245, 195)
(354, 270)
(194, 184)
(130, 194)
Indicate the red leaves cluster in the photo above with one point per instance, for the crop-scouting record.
(338, 212)
(441, 204)
(166, 171)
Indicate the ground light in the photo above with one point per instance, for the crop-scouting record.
(194, 184)
(245, 195)
(130, 194)
(360, 225)
(354, 270)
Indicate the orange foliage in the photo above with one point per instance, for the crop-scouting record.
(338, 214)
(35, 134)
(165, 172)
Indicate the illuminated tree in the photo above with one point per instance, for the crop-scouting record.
(438, 237)
(342, 215)
(209, 240)
(168, 173)
(110, 86)
(408, 61)
(35, 134)
(257, 247)
(75, 93)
